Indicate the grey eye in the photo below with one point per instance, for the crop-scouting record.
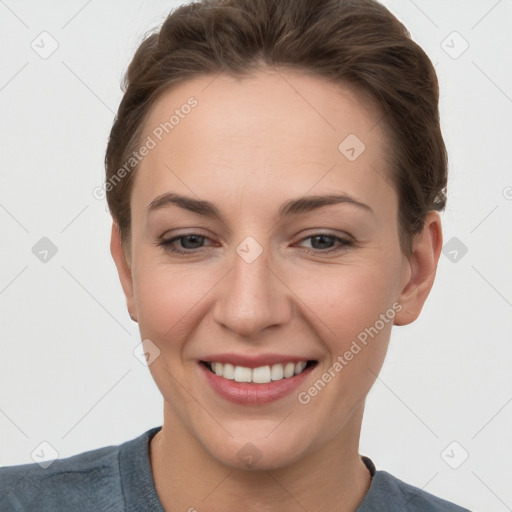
(196, 241)
(325, 241)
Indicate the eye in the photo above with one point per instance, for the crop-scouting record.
(324, 243)
(190, 243)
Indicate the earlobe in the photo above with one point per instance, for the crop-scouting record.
(423, 262)
(123, 268)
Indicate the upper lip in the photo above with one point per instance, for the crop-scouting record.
(254, 361)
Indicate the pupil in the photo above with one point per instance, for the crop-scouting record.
(324, 237)
(195, 240)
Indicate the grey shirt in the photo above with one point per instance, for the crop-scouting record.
(119, 478)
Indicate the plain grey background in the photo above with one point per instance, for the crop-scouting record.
(440, 414)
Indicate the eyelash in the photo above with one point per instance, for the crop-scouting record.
(344, 243)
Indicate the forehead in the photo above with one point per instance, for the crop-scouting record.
(308, 106)
(270, 129)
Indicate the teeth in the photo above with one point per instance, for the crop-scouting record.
(289, 370)
(217, 368)
(277, 372)
(227, 370)
(242, 374)
(299, 367)
(260, 375)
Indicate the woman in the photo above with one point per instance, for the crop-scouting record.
(274, 174)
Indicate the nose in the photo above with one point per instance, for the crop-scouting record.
(252, 298)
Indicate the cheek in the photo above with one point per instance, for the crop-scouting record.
(168, 297)
(348, 299)
(353, 316)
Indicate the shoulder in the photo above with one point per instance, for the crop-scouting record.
(87, 481)
(390, 493)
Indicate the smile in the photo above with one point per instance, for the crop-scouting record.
(259, 375)
(255, 380)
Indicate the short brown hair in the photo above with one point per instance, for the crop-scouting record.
(352, 42)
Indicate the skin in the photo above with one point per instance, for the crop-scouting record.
(249, 146)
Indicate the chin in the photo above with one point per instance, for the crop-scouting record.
(257, 452)
(250, 456)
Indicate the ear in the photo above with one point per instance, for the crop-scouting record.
(426, 250)
(123, 268)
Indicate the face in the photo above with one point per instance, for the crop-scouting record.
(264, 265)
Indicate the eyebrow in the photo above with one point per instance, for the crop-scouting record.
(293, 207)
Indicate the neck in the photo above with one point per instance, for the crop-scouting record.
(187, 477)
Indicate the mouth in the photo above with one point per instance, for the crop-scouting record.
(259, 375)
(256, 385)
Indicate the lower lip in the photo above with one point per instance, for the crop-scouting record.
(254, 394)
